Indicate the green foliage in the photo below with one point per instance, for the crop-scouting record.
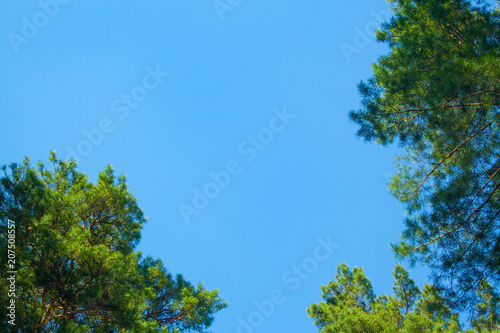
(487, 318)
(77, 270)
(349, 306)
(437, 93)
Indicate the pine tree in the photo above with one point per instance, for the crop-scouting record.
(350, 306)
(77, 267)
(437, 93)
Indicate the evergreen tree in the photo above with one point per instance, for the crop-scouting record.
(486, 317)
(349, 306)
(437, 93)
(77, 268)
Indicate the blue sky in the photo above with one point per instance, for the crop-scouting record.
(253, 93)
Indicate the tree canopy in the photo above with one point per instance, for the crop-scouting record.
(350, 306)
(437, 93)
(77, 267)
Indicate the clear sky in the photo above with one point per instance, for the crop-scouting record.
(229, 119)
